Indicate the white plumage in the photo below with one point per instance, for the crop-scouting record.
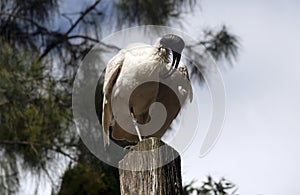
(132, 84)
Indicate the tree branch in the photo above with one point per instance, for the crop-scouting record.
(82, 16)
(64, 35)
(94, 40)
(39, 144)
(27, 20)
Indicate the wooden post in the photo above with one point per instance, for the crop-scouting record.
(155, 180)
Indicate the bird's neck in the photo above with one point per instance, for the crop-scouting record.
(163, 55)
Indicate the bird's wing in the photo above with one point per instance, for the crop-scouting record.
(187, 84)
(112, 71)
(172, 101)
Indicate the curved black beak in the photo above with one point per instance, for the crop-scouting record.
(174, 66)
(176, 59)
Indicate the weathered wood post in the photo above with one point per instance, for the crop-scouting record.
(140, 172)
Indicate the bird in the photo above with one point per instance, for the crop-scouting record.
(138, 76)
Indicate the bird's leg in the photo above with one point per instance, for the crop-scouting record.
(135, 124)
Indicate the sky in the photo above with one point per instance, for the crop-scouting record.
(258, 148)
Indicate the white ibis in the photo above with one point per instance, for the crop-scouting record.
(126, 79)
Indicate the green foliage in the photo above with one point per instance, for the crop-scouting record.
(86, 179)
(211, 187)
(221, 44)
(21, 21)
(34, 122)
(40, 10)
(89, 176)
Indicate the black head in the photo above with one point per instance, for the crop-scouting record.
(176, 45)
